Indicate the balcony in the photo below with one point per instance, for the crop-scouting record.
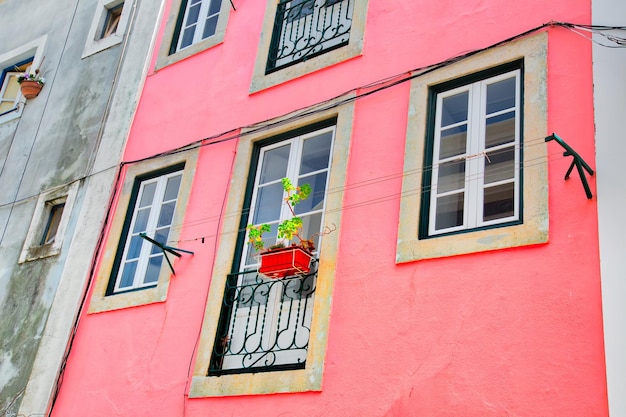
(264, 323)
(306, 28)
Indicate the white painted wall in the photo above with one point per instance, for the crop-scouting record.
(609, 66)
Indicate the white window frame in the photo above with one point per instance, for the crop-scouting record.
(169, 52)
(476, 155)
(203, 16)
(6, 81)
(146, 251)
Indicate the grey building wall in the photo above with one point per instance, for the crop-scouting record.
(72, 136)
(609, 69)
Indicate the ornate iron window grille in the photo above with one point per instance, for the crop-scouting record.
(265, 324)
(307, 28)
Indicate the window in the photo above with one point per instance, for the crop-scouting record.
(199, 21)
(302, 36)
(294, 350)
(10, 88)
(306, 28)
(107, 27)
(49, 223)
(152, 200)
(264, 322)
(193, 26)
(475, 159)
(112, 21)
(154, 205)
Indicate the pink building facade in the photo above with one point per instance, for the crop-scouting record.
(456, 273)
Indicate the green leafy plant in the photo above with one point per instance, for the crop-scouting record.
(289, 228)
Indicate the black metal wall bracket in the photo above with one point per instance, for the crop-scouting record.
(165, 249)
(578, 162)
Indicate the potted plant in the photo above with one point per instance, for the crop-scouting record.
(31, 84)
(279, 261)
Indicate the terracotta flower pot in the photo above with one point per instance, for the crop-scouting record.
(284, 262)
(30, 89)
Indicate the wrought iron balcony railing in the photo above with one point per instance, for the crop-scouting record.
(265, 323)
(306, 28)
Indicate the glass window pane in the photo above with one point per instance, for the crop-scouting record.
(194, 12)
(454, 109)
(500, 130)
(141, 220)
(209, 27)
(188, 36)
(12, 87)
(499, 202)
(134, 249)
(275, 164)
(147, 194)
(171, 190)
(501, 95)
(453, 142)
(318, 192)
(215, 6)
(166, 215)
(153, 270)
(128, 275)
(500, 165)
(268, 201)
(316, 153)
(449, 211)
(451, 176)
(54, 219)
(161, 235)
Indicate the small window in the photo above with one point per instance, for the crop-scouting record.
(475, 158)
(304, 29)
(10, 88)
(108, 26)
(52, 225)
(49, 223)
(152, 212)
(199, 22)
(112, 21)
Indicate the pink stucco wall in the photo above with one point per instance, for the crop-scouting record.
(515, 332)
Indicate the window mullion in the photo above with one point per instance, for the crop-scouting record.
(473, 173)
(202, 17)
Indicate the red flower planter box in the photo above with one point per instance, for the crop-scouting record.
(283, 262)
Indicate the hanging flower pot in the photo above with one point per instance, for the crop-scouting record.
(284, 262)
(31, 84)
(30, 89)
